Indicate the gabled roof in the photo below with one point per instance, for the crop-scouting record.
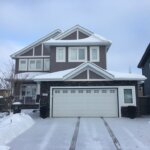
(47, 37)
(145, 56)
(69, 74)
(71, 30)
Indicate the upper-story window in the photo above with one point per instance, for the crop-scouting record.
(22, 64)
(42, 64)
(94, 54)
(77, 54)
(60, 54)
(35, 64)
(46, 65)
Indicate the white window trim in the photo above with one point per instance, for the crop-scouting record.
(22, 69)
(64, 54)
(69, 54)
(35, 69)
(98, 53)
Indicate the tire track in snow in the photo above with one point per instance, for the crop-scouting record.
(47, 137)
(115, 140)
(75, 135)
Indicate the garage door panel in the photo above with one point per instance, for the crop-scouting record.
(85, 103)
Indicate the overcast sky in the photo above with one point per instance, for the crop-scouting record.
(125, 22)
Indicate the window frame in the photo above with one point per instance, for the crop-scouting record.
(98, 53)
(125, 97)
(77, 48)
(35, 67)
(44, 60)
(20, 67)
(64, 54)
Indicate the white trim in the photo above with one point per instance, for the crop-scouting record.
(77, 48)
(24, 57)
(33, 49)
(64, 54)
(73, 29)
(20, 67)
(77, 34)
(98, 53)
(120, 90)
(38, 88)
(42, 49)
(36, 43)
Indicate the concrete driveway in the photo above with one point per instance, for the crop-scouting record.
(85, 134)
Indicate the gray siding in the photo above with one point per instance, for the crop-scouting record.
(146, 72)
(28, 53)
(82, 75)
(82, 35)
(93, 75)
(72, 36)
(38, 50)
(57, 66)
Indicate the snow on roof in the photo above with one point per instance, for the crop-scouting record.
(93, 39)
(60, 75)
(53, 76)
(27, 75)
(127, 76)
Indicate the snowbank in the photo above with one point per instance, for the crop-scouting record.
(12, 126)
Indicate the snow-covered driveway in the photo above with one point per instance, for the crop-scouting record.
(92, 134)
(133, 134)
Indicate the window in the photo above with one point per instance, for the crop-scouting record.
(77, 54)
(104, 91)
(22, 64)
(94, 54)
(46, 64)
(128, 96)
(112, 91)
(60, 54)
(35, 64)
(28, 91)
(88, 91)
(96, 91)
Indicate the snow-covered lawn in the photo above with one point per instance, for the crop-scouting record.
(11, 126)
(133, 134)
(57, 133)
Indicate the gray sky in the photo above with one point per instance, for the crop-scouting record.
(125, 22)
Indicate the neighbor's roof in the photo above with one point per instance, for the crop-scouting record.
(94, 39)
(145, 56)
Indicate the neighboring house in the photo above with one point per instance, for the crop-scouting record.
(4, 92)
(144, 64)
(68, 72)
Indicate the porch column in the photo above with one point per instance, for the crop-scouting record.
(38, 88)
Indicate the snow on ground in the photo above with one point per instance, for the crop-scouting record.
(53, 134)
(93, 135)
(131, 133)
(12, 126)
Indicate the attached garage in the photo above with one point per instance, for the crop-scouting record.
(84, 102)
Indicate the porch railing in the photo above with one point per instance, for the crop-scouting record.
(26, 99)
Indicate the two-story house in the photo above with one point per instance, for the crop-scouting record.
(144, 64)
(68, 72)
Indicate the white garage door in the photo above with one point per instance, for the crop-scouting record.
(85, 103)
